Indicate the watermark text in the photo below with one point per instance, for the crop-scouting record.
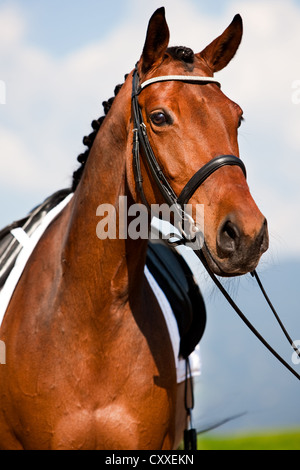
(296, 92)
(150, 459)
(2, 353)
(295, 356)
(2, 92)
(132, 222)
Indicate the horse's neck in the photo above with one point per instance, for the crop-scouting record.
(109, 266)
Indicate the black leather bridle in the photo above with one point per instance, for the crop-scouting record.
(140, 138)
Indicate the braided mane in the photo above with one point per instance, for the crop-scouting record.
(89, 140)
(181, 53)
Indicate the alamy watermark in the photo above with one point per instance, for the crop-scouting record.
(2, 92)
(123, 222)
(295, 356)
(2, 353)
(296, 92)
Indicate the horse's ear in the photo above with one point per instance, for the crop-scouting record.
(157, 40)
(220, 52)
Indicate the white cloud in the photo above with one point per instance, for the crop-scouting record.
(12, 26)
(17, 157)
(52, 100)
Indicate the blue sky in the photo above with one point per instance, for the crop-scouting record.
(61, 26)
(61, 59)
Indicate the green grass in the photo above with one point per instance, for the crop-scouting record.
(275, 440)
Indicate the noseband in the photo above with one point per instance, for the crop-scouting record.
(140, 137)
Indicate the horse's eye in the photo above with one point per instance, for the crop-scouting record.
(159, 118)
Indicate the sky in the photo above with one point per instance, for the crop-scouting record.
(60, 60)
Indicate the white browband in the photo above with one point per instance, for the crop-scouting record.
(181, 78)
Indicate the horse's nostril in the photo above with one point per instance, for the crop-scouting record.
(230, 230)
(264, 240)
(232, 241)
(228, 238)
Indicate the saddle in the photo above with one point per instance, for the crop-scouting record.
(10, 246)
(176, 280)
(166, 265)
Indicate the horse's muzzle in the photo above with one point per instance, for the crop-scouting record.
(237, 251)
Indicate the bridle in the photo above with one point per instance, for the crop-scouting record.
(140, 138)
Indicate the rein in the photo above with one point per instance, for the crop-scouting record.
(140, 137)
(201, 256)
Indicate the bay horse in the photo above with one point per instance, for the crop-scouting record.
(89, 363)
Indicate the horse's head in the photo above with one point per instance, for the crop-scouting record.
(188, 125)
